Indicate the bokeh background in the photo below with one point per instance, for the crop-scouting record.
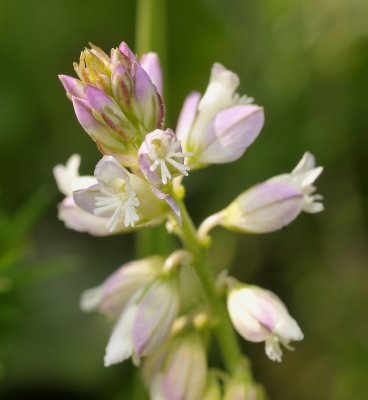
(306, 62)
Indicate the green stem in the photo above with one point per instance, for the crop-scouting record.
(224, 331)
(151, 36)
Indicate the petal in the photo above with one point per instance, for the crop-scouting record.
(150, 62)
(170, 201)
(74, 87)
(120, 345)
(81, 221)
(86, 199)
(66, 174)
(245, 323)
(110, 173)
(220, 90)
(84, 115)
(115, 292)
(186, 117)
(230, 133)
(98, 99)
(124, 48)
(155, 315)
(305, 164)
(264, 208)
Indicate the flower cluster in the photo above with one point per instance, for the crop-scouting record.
(118, 100)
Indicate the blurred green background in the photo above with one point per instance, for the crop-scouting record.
(306, 62)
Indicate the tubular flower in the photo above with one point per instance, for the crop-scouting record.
(125, 200)
(115, 100)
(145, 322)
(68, 180)
(178, 370)
(221, 125)
(271, 205)
(260, 316)
(114, 293)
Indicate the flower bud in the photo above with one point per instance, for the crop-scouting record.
(115, 100)
(220, 126)
(259, 315)
(114, 293)
(271, 205)
(68, 180)
(146, 321)
(178, 370)
(125, 200)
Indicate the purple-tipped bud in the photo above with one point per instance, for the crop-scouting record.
(178, 371)
(260, 316)
(115, 99)
(151, 64)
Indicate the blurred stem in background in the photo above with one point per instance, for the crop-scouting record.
(151, 36)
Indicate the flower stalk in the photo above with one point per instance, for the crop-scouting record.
(224, 331)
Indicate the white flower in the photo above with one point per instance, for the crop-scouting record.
(221, 125)
(259, 315)
(123, 199)
(161, 157)
(273, 204)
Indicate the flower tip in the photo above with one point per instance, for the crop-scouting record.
(90, 299)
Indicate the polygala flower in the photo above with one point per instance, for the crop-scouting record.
(221, 125)
(114, 293)
(178, 370)
(260, 316)
(124, 199)
(68, 179)
(161, 157)
(115, 100)
(271, 205)
(146, 321)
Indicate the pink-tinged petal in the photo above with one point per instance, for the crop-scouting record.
(230, 133)
(144, 88)
(150, 62)
(84, 115)
(145, 164)
(264, 208)
(73, 87)
(186, 117)
(86, 198)
(186, 374)
(156, 313)
(108, 170)
(124, 48)
(170, 202)
(100, 101)
(81, 221)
